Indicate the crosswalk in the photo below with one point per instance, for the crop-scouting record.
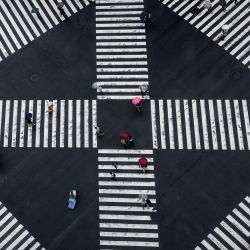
(237, 16)
(122, 220)
(71, 124)
(231, 233)
(200, 124)
(121, 52)
(19, 25)
(13, 235)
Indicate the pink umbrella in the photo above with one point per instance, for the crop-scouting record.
(136, 100)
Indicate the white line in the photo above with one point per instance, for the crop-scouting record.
(230, 125)
(221, 125)
(70, 123)
(213, 124)
(115, 7)
(8, 226)
(119, 97)
(120, 44)
(238, 225)
(120, 31)
(38, 122)
(118, 1)
(216, 242)
(126, 191)
(78, 123)
(10, 236)
(129, 234)
(22, 124)
(6, 124)
(245, 208)
(207, 245)
(72, 7)
(124, 217)
(116, 19)
(46, 125)
(112, 57)
(14, 123)
(127, 183)
(34, 247)
(50, 13)
(119, 83)
(119, 25)
(86, 123)
(187, 124)
(129, 243)
(127, 175)
(246, 120)
(54, 124)
(125, 151)
(170, 124)
(113, 13)
(238, 124)
(153, 123)
(126, 208)
(138, 37)
(162, 124)
(6, 40)
(123, 167)
(122, 200)
(123, 159)
(196, 125)
(1, 113)
(129, 226)
(26, 243)
(242, 217)
(30, 128)
(179, 123)
(62, 123)
(17, 240)
(94, 123)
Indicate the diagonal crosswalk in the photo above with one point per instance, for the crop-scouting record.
(200, 124)
(121, 50)
(237, 16)
(232, 232)
(20, 26)
(13, 235)
(70, 125)
(122, 220)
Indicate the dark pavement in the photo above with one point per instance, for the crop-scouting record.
(195, 189)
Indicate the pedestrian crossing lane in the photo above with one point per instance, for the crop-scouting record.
(122, 220)
(70, 125)
(232, 232)
(120, 50)
(13, 235)
(237, 42)
(200, 124)
(19, 25)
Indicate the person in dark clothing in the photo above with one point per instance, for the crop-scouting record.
(145, 16)
(223, 4)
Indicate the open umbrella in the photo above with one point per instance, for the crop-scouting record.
(143, 161)
(136, 100)
(124, 135)
(94, 85)
(28, 116)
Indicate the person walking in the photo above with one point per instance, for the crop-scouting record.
(143, 163)
(223, 4)
(36, 11)
(60, 6)
(144, 89)
(235, 1)
(145, 16)
(50, 107)
(114, 164)
(136, 101)
(28, 118)
(224, 31)
(208, 5)
(99, 89)
(99, 133)
(113, 176)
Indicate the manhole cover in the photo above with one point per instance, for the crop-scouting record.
(235, 74)
(35, 77)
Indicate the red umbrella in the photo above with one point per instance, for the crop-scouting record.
(124, 135)
(136, 100)
(143, 161)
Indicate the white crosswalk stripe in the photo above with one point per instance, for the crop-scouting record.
(201, 124)
(123, 220)
(57, 129)
(237, 41)
(19, 25)
(13, 235)
(121, 50)
(231, 233)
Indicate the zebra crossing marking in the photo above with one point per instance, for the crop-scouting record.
(209, 23)
(19, 26)
(51, 130)
(201, 124)
(13, 235)
(119, 199)
(231, 231)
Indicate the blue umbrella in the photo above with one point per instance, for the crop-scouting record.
(34, 10)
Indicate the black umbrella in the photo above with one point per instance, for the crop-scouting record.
(28, 116)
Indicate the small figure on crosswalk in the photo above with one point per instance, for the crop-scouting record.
(50, 107)
(113, 176)
(143, 163)
(28, 118)
(136, 101)
(224, 31)
(36, 11)
(114, 164)
(208, 5)
(144, 89)
(99, 133)
(223, 4)
(99, 90)
(126, 139)
(145, 16)
(60, 6)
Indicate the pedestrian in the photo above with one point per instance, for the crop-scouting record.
(144, 89)
(208, 5)
(224, 31)
(143, 163)
(50, 107)
(99, 89)
(143, 199)
(99, 133)
(36, 11)
(136, 101)
(114, 164)
(235, 1)
(145, 16)
(60, 6)
(223, 4)
(124, 143)
(28, 118)
(113, 176)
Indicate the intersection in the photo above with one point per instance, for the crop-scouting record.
(194, 130)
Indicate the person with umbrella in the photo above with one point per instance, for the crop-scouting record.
(126, 138)
(208, 5)
(28, 118)
(137, 103)
(143, 163)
